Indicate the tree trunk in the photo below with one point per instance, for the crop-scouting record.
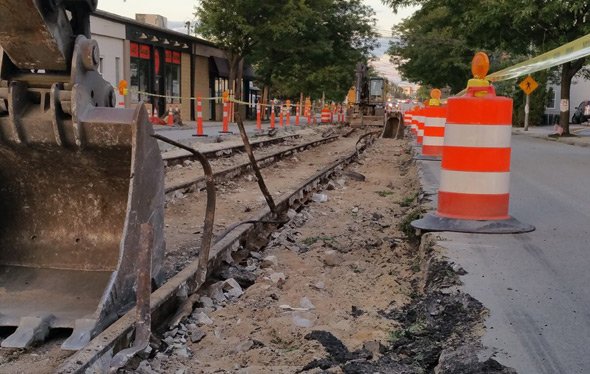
(568, 70)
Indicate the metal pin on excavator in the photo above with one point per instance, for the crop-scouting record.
(77, 179)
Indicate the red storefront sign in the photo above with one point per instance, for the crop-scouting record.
(134, 50)
(168, 57)
(144, 52)
(157, 61)
(176, 58)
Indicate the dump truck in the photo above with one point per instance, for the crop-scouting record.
(78, 178)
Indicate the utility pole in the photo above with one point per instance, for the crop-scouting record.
(526, 112)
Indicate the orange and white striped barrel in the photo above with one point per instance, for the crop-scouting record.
(423, 114)
(434, 131)
(475, 175)
(326, 115)
(416, 118)
(408, 118)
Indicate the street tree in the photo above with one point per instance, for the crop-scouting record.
(295, 45)
(508, 29)
(314, 46)
(232, 25)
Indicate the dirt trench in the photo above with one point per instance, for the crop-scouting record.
(345, 287)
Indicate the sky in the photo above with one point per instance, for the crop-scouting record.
(182, 10)
(179, 11)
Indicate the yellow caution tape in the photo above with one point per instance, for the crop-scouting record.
(568, 52)
(211, 98)
(175, 97)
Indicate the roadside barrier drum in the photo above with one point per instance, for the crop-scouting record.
(414, 125)
(475, 171)
(326, 115)
(408, 118)
(434, 131)
(423, 113)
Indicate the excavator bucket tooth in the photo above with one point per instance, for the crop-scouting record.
(70, 216)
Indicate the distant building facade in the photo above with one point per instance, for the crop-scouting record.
(164, 68)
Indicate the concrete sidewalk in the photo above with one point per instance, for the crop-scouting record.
(535, 285)
(581, 132)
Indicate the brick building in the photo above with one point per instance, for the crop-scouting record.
(164, 68)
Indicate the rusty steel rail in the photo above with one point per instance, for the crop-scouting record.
(166, 299)
(243, 168)
(171, 160)
(254, 164)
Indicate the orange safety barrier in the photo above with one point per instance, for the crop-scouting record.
(326, 116)
(287, 116)
(258, 118)
(434, 131)
(170, 117)
(408, 118)
(297, 113)
(281, 116)
(226, 113)
(272, 117)
(199, 117)
(422, 114)
(155, 118)
(475, 170)
(476, 159)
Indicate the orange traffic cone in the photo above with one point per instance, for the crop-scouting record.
(155, 118)
(170, 117)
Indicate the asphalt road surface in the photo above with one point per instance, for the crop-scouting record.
(536, 285)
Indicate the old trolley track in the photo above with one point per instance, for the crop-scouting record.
(289, 180)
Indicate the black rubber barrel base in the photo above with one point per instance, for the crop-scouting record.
(427, 158)
(432, 222)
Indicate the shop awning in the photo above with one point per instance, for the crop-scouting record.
(221, 66)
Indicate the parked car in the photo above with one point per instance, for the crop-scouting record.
(582, 113)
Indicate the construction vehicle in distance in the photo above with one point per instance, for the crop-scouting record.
(77, 179)
(368, 108)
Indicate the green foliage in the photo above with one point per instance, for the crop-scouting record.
(406, 224)
(538, 100)
(384, 193)
(434, 47)
(309, 46)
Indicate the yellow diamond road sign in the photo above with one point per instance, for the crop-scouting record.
(528, 85)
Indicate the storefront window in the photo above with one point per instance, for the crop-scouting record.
(172, 77)
(221, 84)
(140, 72)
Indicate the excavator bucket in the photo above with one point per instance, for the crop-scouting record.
(77, 179)
(69, 225)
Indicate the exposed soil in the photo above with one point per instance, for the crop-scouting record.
(238, 198)
(344, 262)
(344, 287)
